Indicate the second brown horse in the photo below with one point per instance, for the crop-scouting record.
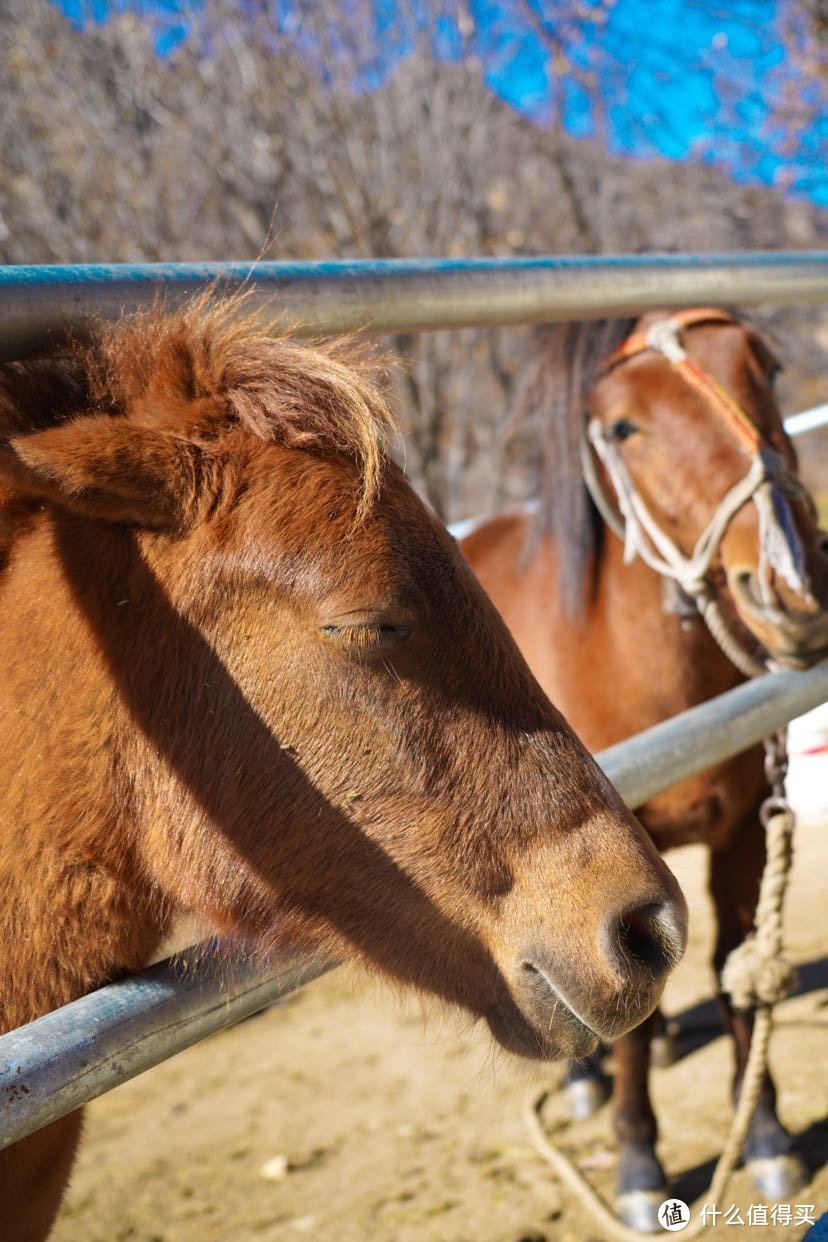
(680, 413)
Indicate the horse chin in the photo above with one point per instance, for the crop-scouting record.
(788, 644)
(791, 641)
(796, 663)
(568, 1039)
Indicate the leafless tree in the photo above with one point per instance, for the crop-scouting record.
(254, 139)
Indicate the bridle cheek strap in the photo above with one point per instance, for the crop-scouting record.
(644, 537)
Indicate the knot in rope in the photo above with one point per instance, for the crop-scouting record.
(756, 972)
(752, 976)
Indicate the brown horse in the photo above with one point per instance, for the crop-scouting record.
(247, 675)
(679, 417)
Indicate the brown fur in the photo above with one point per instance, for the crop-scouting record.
(248, 676)
(624, 664)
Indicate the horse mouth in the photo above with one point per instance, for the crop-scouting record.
(550, 1031)
(794, 660)
(789, 643)
(794, 641)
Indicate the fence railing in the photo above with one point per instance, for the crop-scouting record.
(407, 295)
(66, 1058)
(807, 420)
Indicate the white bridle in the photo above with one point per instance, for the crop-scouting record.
(766, 483)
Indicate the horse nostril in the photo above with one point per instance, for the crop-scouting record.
(743, 582)
(745, 588)
(644, 940)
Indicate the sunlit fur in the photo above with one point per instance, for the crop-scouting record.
(248, 677)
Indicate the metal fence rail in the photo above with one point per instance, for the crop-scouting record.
(71, 1056)
(807, 420)
(394, 295)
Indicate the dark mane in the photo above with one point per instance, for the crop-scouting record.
(203, 368)
(554, 399)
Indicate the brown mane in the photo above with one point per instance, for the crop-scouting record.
(555, 398)
(204, 368)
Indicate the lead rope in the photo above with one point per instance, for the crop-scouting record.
(754, 975)
(712, 616)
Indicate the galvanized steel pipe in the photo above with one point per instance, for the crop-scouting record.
(403, 295)
(71, 1056)
(807, 420)
(659, 757)
(51, 1066)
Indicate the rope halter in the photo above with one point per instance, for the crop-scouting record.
(768, 483)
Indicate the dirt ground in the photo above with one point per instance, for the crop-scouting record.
(381, 1127)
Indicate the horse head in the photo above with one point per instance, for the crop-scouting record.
(286, 703)
(686, 426)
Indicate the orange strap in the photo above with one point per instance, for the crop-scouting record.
(721, 400)
(692, 373)
(637, 342)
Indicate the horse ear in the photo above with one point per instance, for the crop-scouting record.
(109, 468)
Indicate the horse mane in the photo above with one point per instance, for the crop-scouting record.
(554, 398)
(204, 368)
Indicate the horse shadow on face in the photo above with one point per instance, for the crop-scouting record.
(323, 870)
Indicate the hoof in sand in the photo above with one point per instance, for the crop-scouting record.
(663, 1048)
(586, 1095)
(778, 1177)
(638, 1209)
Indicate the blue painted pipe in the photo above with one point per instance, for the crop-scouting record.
(37, 304)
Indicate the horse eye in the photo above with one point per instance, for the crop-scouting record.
(394, 633)
(622, 429)
(368, 634)
(774, 374)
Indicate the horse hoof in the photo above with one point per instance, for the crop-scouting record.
(664, 1049)
(586, 1095)
(638, 1209)
(778, 1177)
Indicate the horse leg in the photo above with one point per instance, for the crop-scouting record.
(641, 1185)
(587, 1086)
(769, 1153)
(663, 1051)
(33, 1177)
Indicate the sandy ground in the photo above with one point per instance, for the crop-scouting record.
(397, 1130)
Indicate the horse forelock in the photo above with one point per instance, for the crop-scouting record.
(206, 368)
(557, 396)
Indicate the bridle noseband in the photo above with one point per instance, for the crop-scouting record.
(768, 483)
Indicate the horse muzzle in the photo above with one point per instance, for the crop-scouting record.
(794, 633)
(558, 1007)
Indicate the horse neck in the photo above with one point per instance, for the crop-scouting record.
(76, 903)
(58, 726)
(630, 598)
